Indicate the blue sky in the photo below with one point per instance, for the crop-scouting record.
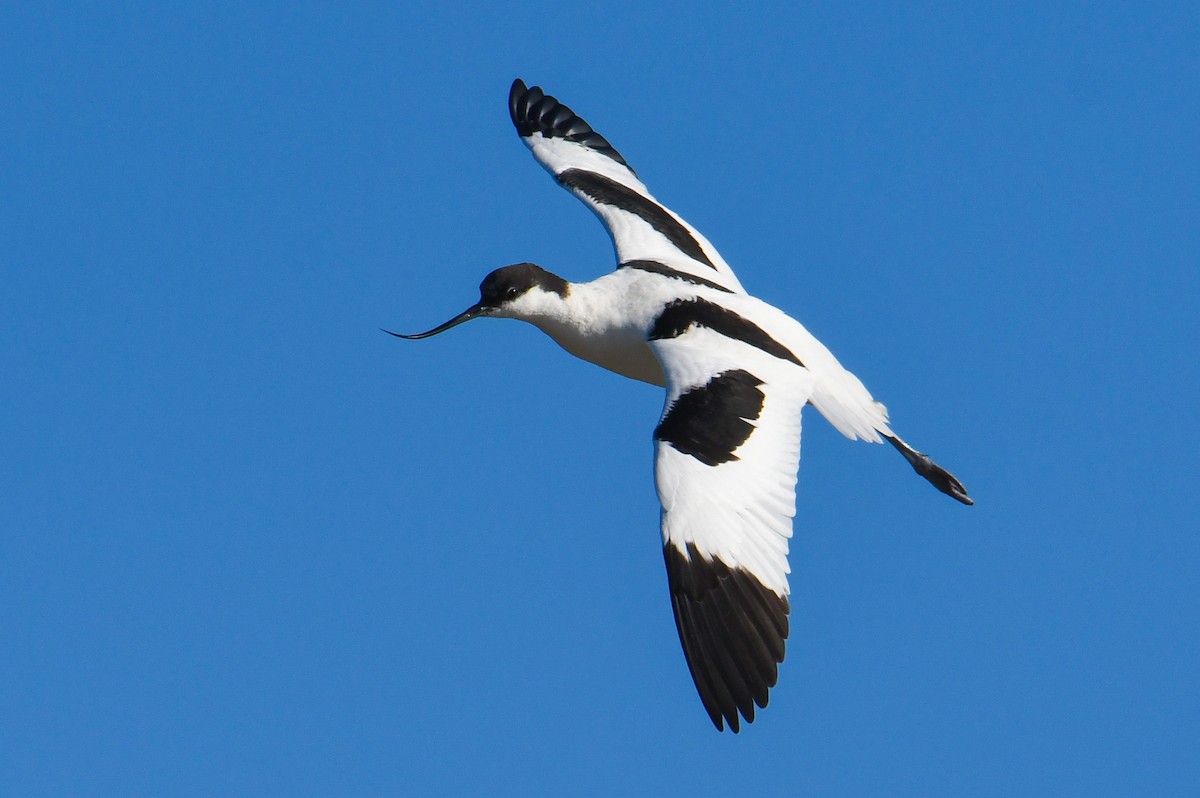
(250, 545)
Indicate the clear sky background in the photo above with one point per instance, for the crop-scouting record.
(250, 545)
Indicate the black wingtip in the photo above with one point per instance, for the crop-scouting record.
(534, 111)
(732, 629)
(937, 476)
(520, 97)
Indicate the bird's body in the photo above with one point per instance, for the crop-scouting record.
(737, 373)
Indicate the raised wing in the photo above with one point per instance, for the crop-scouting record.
(727, 449)
(644, 232)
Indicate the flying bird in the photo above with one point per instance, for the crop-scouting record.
(737, 373)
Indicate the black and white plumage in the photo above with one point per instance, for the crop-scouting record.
(737, 373)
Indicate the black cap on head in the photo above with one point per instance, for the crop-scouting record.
(508, 283)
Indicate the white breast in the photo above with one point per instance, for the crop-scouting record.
(606, 321)
(619, 349)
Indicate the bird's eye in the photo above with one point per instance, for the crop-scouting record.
(511, 293)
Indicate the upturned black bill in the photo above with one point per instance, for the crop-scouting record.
(465, 316)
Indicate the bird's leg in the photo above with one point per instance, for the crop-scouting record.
(939, 477)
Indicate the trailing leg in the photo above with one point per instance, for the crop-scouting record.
(939, 477)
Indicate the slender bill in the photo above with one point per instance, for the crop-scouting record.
(466, 315)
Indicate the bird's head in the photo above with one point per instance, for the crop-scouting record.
(522, 291)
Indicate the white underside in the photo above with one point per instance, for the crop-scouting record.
(622, 351)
